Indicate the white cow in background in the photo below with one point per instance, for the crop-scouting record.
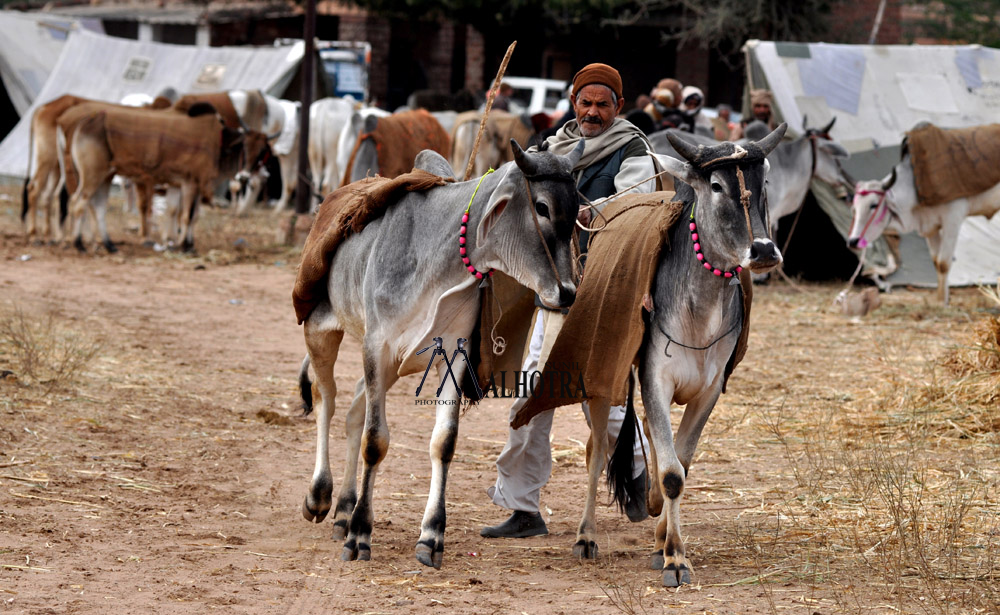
(348, 137)
(282, 127)
(879, 204)
(327, 119)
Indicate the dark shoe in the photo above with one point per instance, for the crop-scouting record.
(635, 509)
(521, 524)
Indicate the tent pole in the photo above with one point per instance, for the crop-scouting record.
(304, 190)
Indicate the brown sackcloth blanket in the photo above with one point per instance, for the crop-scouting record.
(220, 100)
(347, 210)
(398, 140)
(955, 163)
(603, 331)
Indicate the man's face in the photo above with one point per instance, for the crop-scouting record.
(724, 114)
(762, 111)
(594, 109)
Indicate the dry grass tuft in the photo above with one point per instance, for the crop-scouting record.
(39, 352)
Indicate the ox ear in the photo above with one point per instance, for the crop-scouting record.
(678, 168)
(826, 129)
(495, 208)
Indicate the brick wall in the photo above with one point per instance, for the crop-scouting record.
(475, 57)
(376, 31)
(852, 22)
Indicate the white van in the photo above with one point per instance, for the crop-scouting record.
(536, 95)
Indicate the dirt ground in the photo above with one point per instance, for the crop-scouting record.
(167, 474)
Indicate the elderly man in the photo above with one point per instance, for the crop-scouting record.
(615, 159)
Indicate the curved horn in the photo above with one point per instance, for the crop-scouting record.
(826, 129)
(523, 161)
(889, 182)
(772, 140)
(682, 146)
(577, 153)
(274, 136)
(805, 122)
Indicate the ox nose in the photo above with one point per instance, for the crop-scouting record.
(567, 294)
(764, 252)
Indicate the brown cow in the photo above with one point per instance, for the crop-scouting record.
(149, 147)
(45, 180)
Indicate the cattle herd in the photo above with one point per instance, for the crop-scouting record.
(195, 145)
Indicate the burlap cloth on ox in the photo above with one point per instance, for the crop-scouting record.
(347, 210)
(956, 163)
(604, 329)
(399, 138)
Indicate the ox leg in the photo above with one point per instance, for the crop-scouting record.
(188, 213)
(348, 495)
(657, 391)
(654, 497)
(144, 202)
(430, 545)
(323, 346)
(597, 455)
(99, 207)
(380, 374)
(942, 248)
(288, 166)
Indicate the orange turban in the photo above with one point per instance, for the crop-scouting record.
(600, 74)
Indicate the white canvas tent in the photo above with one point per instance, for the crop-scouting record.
(109, 68)
(30, 45)
(877, 93)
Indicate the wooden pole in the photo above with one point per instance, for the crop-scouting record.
(489, 105)
(304, 191)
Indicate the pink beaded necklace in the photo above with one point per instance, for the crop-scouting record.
(461, 234)
(701, 257)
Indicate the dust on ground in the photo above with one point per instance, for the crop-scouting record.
(167, 475)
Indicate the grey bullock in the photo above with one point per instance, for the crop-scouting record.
(793, 165)
(401, 282)
(692, 331)
(892, 201)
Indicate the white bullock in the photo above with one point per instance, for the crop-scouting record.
(879, 204)
(348, 137)
(282, 128)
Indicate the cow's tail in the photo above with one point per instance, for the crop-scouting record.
(305, 387)
(24, 199)
(62, 146)
(620, 482)
(27, 179)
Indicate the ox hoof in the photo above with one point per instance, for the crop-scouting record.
(149, 243)
(656, 561)
(352, 552)
(585, 549)
(340, 529)
(110, 247)
(78, 244)
(430, 556)
(313, 512)
(674, 576)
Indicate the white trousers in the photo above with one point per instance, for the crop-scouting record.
(525, 464)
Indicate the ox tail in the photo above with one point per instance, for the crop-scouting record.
(305, 387)
(63, 204)
(24, 199)
(27, 179)
(620, 482)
